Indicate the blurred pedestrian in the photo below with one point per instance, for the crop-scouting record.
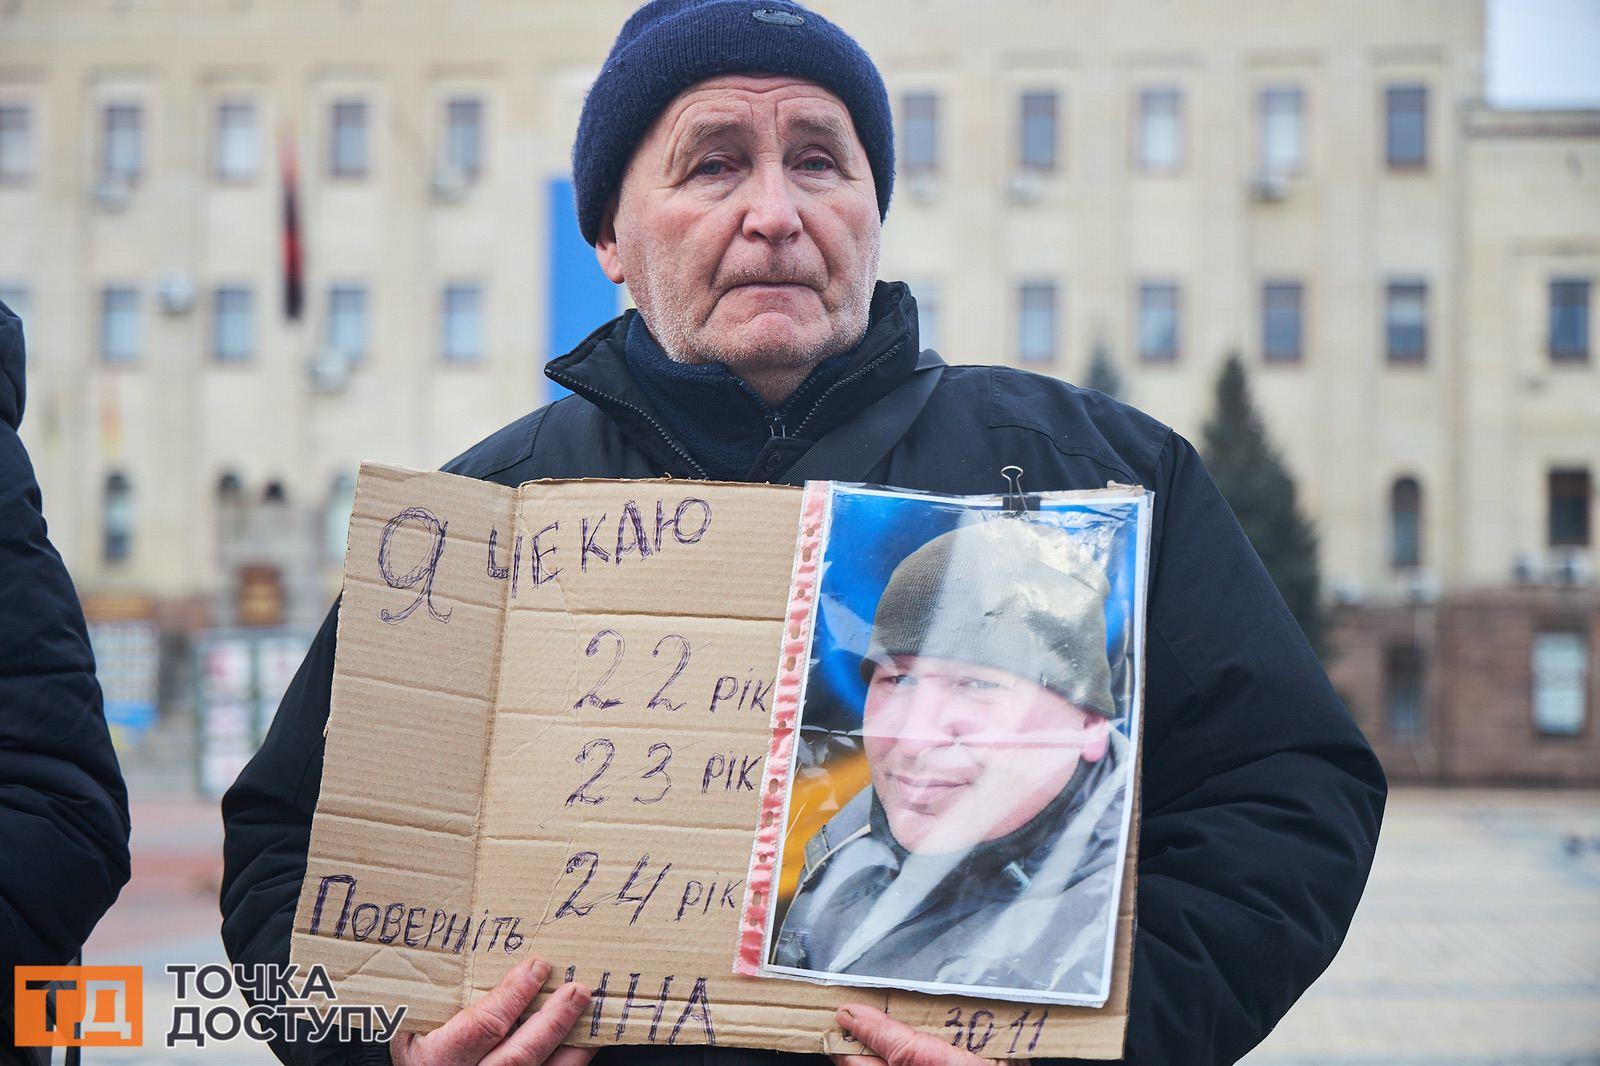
(63, 805)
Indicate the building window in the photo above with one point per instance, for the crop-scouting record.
(921, 134)
(122, 151)
(1406, 321)
(232, 516)
(1405, 524)
(1569, 320)
(1281, 323)
(1158, 321)
(1036, 322)
(929, 299)
(1406, 126)
(238, 147)
(1038, 133)
(347, 148)
(232, 325)
(1560, 682)
(1160, 129)
(1402, 690)
(1282, 130)
(16, 143)
(347, 322)
(1571, 495)
(462, 320)
(119, 325)
(117, 518)
(463, 142)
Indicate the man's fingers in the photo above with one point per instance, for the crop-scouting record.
(476, 1030)
(572, 1056)
(542, 1033)
(896, 1042)
(857, 1060)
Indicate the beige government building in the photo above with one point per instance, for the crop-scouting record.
(1408, 274)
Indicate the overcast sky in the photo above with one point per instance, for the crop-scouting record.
(1544, 53)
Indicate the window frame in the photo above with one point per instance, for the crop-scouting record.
(1393, 94)
(1049, 291)
(446, 355)
(221, 133)
(1541, 725)
(10, 174)
(1143, 116)
(135, 312)
(478, 127)
(1147, 289)
(1050, 163)
(1264, 96)
(914, 121)
(1406, 660)
(132, 133)
(1280, 286)
(336, 293)
(1577, 476)
(248, 352)
(1395, 289)
(1400, 560)
(338, 167)
(1581, 353)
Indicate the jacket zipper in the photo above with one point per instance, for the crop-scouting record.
(657, 426)
(842, 382)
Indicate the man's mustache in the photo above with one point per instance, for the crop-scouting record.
(770, 274)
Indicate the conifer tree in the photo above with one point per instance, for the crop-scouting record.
(1103, 376)
(1259, 488)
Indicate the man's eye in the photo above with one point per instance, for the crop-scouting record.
(978, 684)
(711, 168)
(896, 680)
(816, 164)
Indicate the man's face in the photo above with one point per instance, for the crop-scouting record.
(961, 753)
(747, 226)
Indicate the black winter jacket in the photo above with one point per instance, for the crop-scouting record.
(63, 806)
(1261, 800)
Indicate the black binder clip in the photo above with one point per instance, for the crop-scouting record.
(1017, 503)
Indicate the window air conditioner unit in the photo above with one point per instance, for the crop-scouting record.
(175, 294)
(1571, 568)
(112, 194)
(1025, 187)
(330, 370)
(1269, 187)
(450, 183)
(1345, 594)
(1524, 569)
(1419, 586)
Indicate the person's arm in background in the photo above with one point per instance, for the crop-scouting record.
(63, 804)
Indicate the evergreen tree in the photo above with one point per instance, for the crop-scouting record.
(1103, 376)
(1257, 485)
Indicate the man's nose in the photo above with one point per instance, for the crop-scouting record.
(772, 214)
(937, 719)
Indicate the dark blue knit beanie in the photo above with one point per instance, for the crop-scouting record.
(669, 45)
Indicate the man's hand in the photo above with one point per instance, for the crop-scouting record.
(476, 1036)
(893, 1043)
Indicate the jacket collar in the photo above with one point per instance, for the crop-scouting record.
(597, 370)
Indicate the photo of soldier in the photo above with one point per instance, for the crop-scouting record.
(982, 851)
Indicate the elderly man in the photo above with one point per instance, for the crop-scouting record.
(733, 165)
(996, 803)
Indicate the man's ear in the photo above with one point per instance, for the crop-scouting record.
(1096, 737)
(605, 245)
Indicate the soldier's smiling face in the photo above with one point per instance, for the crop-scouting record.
(962, 753)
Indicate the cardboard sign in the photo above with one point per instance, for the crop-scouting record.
(551, 709)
